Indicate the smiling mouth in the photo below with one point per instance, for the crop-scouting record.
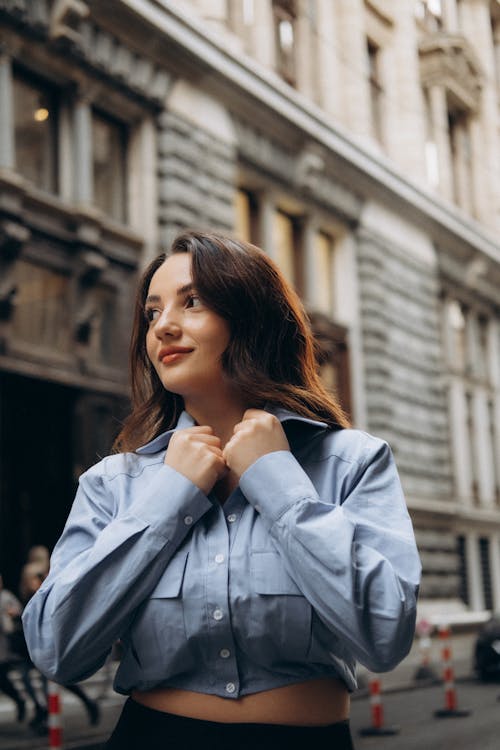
(172, 357)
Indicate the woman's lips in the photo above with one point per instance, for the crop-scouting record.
(174, 356)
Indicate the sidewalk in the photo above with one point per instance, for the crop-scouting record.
(77, 733)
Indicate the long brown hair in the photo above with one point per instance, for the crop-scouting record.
(271, 354)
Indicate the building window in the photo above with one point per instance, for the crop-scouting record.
(376, 90)
(109, 156)
(484, 555)
(287, 248)
(333, 357)
(323, 296)
(483, 369)
(461, 157)
(431, 151)
(472, 444)
(494, 442)
(284, 12)
(35, 131)
(42, 307)
(103, 341)
(247, 216)
(457, 338)
(430, 13)
(464, 579)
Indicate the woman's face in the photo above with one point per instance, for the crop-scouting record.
(185, 339)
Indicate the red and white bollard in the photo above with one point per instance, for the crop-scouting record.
(54, 718)
(450, 694)
(377, 711)
(424, 671)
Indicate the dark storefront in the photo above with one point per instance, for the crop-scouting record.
(49, 434)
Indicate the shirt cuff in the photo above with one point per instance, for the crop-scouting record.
(170, 503)
(275, 482)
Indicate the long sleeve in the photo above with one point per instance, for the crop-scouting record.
(116, 544)
(352, 555)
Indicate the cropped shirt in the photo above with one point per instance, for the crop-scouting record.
(308, 566)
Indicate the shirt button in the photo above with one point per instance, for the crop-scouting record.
(257, 508)
(188, 520)
(218, 614)
(230, 687)
(231, 517)
(224, 653)
(219, 558)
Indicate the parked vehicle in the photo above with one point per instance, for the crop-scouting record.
(487, 650)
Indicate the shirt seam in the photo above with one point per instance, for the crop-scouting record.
(109, 478)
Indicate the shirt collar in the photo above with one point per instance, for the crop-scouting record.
(160, 442)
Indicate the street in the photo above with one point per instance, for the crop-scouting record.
(77, 733)
(412, 710)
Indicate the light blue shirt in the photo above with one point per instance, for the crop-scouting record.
(309, 565)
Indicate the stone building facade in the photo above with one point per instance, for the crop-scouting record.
(355, 140)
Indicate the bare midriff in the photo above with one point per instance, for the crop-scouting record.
(314, 703)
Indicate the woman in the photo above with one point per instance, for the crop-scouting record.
(10, 609)
(252, 549)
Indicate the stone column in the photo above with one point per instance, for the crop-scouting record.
(306, 40)
(484, 453)
(464, 175)
(328, 63)
(347, 310)
(439, 119)
(450, 16)
(83, 177)
(143, 186)
(460, 441)
(266, 225)
(310, 269)
(353, 60)
(262, 34)
(405, 121)
(474, 577)
(7, 145)
(494, 375)
(476, 26)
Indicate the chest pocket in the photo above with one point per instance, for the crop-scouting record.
(170, 584)
(280, 615)
(159, 632)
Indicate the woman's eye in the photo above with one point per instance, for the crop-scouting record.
(151, 314)
(193, 301)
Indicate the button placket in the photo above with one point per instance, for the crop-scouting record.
(225, 671)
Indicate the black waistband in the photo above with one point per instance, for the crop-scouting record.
(140, 726)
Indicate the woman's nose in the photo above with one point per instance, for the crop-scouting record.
(167, 324)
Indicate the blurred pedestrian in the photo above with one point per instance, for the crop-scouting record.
(10, 609)
(252, 549)
(32, 575)
(41, 556)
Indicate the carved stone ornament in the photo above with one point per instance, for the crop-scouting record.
(448, 61)
(68, 25)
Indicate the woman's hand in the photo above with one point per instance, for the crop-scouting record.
(196, 453)
(258, 433)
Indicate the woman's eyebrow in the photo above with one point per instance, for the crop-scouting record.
(153, 298)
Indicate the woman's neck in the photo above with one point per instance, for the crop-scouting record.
(220, 414)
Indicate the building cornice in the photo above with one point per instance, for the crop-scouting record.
(242, 81)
